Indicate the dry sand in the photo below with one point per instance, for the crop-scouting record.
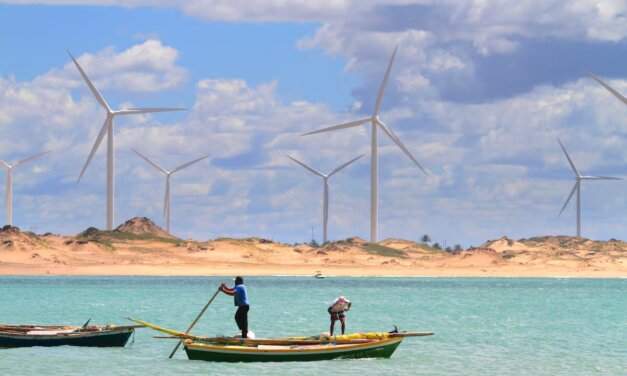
(139, 247)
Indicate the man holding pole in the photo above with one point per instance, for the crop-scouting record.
(240, 298)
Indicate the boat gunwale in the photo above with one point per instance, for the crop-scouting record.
(77, 334)
(323, 348)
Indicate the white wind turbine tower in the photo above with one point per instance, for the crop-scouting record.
(577, 187)
(168, 175)
(107, 128)
(325, 195)
(9, 182)
(376, 124)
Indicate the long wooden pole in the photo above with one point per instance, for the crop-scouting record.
(194, 322)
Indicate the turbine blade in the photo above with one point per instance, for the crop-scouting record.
(311, 169)
(153, 164)
(400, 144)
(25, 160)
(377, 106)
(91, 86)
(5, 164)
(350, 124)
(609, 88)
(601, 178)
(103, 131)
(147, 110)
(344, 165)
(185, 165)
(570, 161)
(572, 192)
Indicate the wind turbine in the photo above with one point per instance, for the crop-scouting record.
(107, 128)
(168, 175)
(376, 123)
(325, 194)
(577, 187)
(9, 182)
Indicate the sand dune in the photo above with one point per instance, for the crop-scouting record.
(139, 247)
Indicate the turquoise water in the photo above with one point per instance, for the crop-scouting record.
(483, 326)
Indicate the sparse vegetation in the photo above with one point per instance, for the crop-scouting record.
(508, 254)
(381, 250)
(148, 244)
(107, 238)
(118, 235)
(224, 239)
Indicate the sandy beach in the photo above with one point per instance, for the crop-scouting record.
(139, 247)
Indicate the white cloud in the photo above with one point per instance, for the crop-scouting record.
(485, 21)
(146, 67)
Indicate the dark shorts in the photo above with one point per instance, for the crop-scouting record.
(336, 315)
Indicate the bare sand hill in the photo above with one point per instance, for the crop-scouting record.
(139, 247)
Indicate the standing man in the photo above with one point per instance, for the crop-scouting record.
(240, 298)
(337, 310)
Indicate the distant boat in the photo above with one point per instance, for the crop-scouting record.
(319, 275)
(57, 335)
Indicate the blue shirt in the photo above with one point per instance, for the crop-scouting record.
(241, 296)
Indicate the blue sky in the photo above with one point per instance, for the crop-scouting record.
(38, 35)
(479, 93)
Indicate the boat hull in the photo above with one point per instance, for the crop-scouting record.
(108, 338)
(216, 353)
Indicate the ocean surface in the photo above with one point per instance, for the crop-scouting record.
(483, 326)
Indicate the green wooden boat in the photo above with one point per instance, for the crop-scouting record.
(378, 348)
(301, 349)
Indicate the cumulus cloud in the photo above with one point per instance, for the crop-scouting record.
(489, 23)
(458, 50)
(146, 67)
(471, 51)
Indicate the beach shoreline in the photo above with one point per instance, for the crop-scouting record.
(303, 271)
(140, 248)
